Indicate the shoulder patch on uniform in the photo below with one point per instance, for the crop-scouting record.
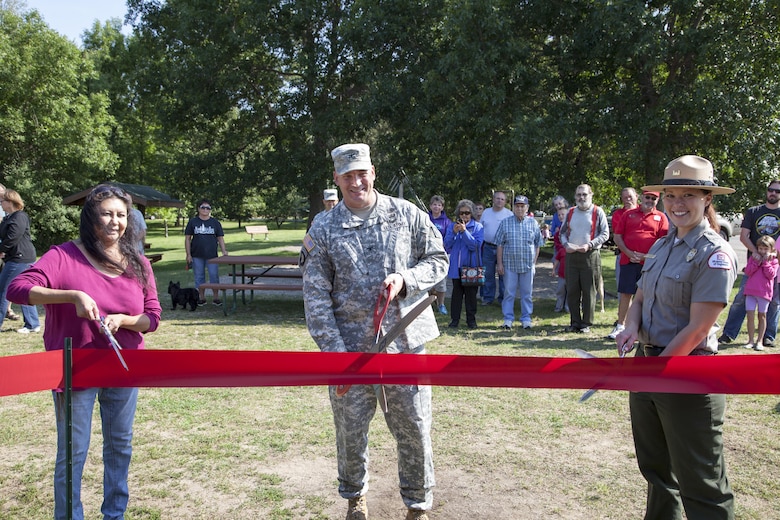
(719, 260)
(308, 243)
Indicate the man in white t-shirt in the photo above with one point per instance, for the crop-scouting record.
(491, 217)
(582, 235)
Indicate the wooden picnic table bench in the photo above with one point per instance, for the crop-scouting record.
(238, 279)
(257, 230)
(251, 287)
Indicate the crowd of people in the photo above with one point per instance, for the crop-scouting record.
(370, 247)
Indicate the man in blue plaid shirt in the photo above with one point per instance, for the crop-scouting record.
(518, 239)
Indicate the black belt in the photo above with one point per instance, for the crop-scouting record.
(489, 244)
(652, 351)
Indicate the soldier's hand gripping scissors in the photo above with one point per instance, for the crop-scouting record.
(382, 341)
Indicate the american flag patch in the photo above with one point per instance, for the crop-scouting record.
(308, 243)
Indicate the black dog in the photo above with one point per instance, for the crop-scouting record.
(183, 297)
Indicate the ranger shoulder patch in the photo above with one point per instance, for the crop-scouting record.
(719, 260)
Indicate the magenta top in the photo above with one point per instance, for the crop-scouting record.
(65, 267)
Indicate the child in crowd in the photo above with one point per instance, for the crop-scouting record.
(545, 229)
(759, 287)
(442, 222)
(559, 266)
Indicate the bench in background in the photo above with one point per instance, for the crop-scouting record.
(243, 287)
(257, 230)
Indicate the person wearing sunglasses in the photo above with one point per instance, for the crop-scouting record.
(464, 241)
(635, 232)
(763, 220)
(202, 236)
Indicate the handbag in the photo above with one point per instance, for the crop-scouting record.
(472, 275)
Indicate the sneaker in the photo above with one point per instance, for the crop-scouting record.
(217, 302)
(443, 309)
(725, 339)
(768, 342)
(416, 514)
(485, 304)
(584, 330)
(617, 330)
(571, 328)
(527, 325)
(505, 327)
(357, 509)
(758, 346)
(201, 302)
(25, 330)
(749, 345)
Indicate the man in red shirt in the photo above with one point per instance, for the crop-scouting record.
(634, 234)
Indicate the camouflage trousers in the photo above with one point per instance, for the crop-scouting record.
(408, 419)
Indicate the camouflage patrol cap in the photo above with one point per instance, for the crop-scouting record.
(348, 157)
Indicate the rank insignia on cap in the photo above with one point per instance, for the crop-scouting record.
(719, 260)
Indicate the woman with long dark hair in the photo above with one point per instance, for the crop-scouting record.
(100, 276)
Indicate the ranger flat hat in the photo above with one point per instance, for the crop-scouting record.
(690, 171)
(353, 156)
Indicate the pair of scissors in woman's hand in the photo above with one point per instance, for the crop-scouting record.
(112, 340)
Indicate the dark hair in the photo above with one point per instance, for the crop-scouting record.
(128, 243)
(773, 181)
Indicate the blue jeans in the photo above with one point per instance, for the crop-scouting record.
(737, 313)
(489, 258)
(117, 412)
(522, 285)
(30, 312)
(199, 266)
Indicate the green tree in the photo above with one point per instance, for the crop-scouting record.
(53, 132)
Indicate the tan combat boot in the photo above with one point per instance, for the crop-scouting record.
(357, 509)
(416, 514)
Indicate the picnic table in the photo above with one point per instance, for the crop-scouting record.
(249, 273)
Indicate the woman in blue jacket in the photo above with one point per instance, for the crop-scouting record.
(463, 241)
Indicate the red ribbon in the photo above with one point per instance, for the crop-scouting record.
(732, 374)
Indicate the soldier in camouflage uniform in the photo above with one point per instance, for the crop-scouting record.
(351, 255)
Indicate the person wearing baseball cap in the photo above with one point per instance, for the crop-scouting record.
(372, 246)
(519, 241)
(635, 232)
(330, 198)
(685, 284)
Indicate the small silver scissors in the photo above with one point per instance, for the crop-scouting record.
(114, 343)
(587, 355)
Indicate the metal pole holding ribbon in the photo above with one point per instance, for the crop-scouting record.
(68, 370)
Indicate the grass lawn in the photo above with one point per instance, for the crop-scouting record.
(247, 453)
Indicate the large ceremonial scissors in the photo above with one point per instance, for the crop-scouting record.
(381, 341)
